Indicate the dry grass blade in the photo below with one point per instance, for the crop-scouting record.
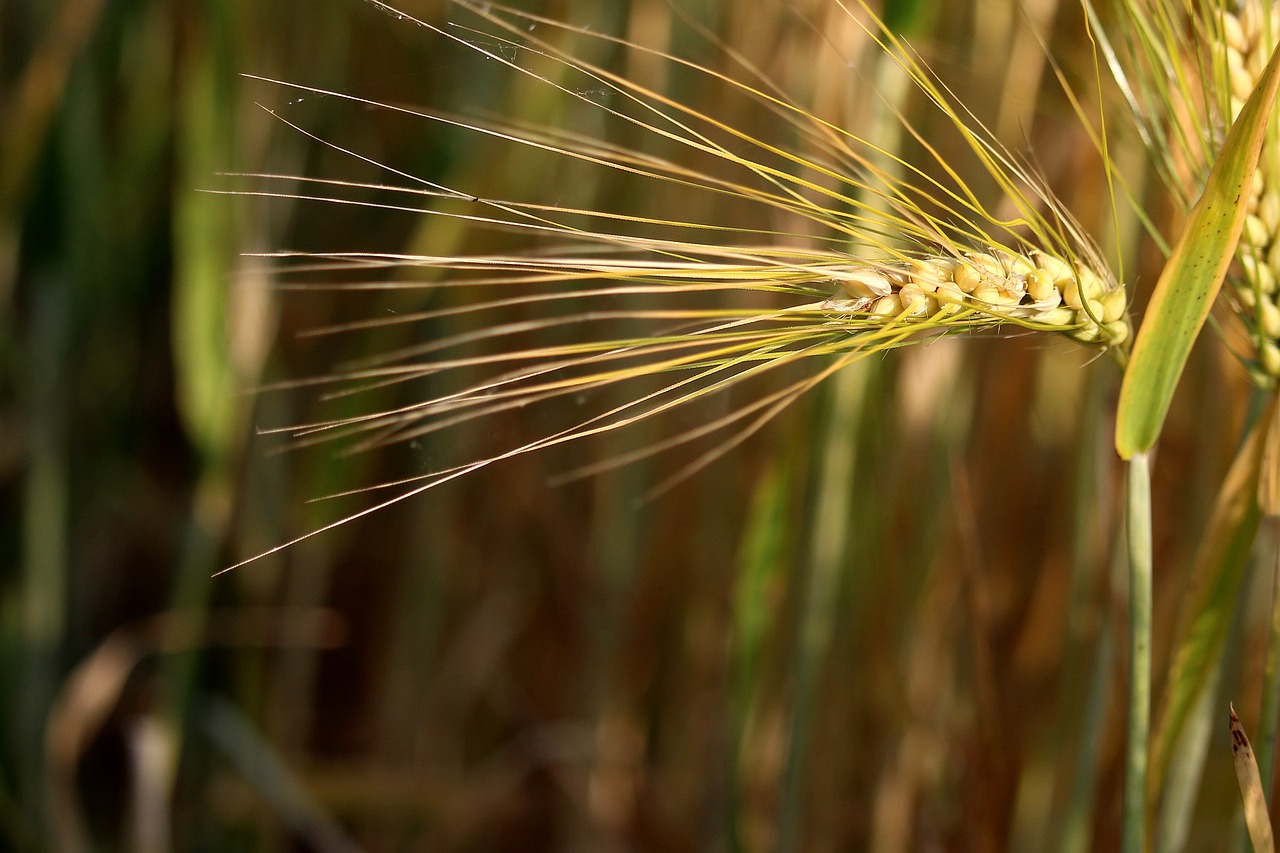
(1256, 815)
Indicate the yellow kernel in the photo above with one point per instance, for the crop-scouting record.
(1091, 284)
(1088, 331)
(967, 277)
(1247, 297)
(1260, 273)
(928, 273)
(1057, 269)
(1250, 23)
(915, 302)
(897, 276)
(1008, 295)
(987, 293)
(1256, 232)
(1270, 358)
(1113, 305)
(1041, 286)
(887, 306)
(1095, 309)
(1270, 316)
(1014, 265)
(1269, 210)
(1255, 60)
(1273, 260)
(1235, 58)
(1071, 295)
(948, 292)
(1233, 33)
(1117, 331)
(1060, 316)
(865, 283)
(1242, 81)
(988, 265)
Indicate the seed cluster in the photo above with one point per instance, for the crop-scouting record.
(1038, 289)
(1250, 36)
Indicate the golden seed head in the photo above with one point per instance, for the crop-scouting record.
(1040, 289)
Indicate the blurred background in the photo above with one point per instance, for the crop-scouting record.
(889, 621)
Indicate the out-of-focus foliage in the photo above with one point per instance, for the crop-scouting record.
(888, 621)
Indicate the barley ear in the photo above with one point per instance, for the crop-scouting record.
(1193, 275)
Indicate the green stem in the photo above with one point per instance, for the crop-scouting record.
(1135, 773)
(831, 545)
(1266, 741)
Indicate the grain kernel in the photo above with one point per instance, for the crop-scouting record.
(1242, 81)
(1041, 286)
(1117, 331)
(1270, 317)
(1113, 306)
(1233, 33)
(1057, 269)
(887, 306)
(1071, 295)
(1060, 316)
(1269, 209)
(867, 283)
(1256, 231)
(1270, 358)
(967, 277)
(1091, 284)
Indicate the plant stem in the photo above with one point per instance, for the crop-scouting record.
(1135, 775)
(1266, 749)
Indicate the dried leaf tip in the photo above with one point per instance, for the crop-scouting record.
(1256, 815)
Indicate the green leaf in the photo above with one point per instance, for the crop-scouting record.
(1191, 277)
(1209, 602)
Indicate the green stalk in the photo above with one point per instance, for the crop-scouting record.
(1135, 771)
(1266, 750)
(830, 546)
